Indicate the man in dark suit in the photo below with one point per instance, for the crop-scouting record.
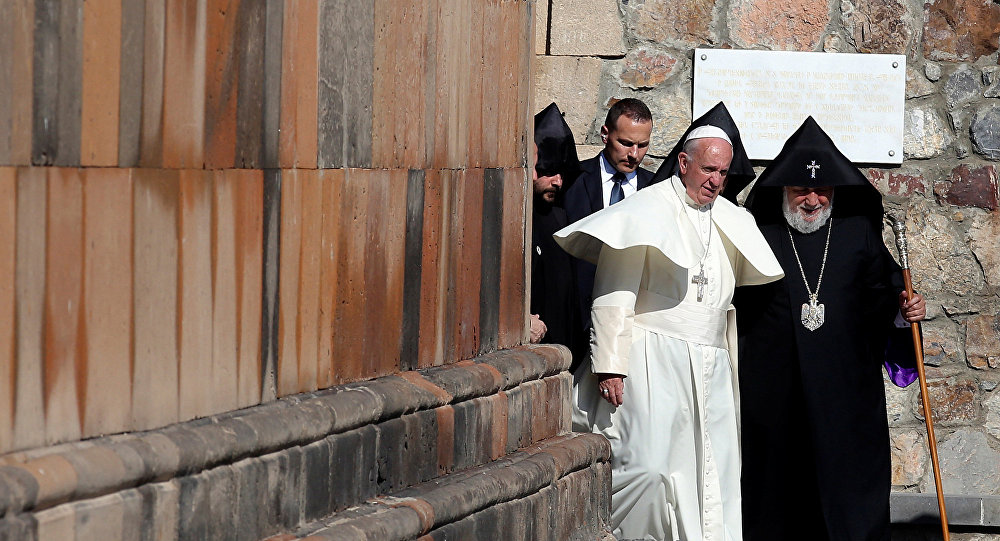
(608, 178)
(613, 174)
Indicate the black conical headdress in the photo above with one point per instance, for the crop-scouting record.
(556, 148)
(810, 158)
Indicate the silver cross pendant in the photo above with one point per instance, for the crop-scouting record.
(700, 280)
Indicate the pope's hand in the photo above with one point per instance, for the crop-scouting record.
(612, 388)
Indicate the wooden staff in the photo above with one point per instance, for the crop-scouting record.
(899, 231)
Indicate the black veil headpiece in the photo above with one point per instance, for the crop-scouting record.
(556, 148)
(810, 158)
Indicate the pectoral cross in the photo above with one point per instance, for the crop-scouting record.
(812, 168)
(700, 280)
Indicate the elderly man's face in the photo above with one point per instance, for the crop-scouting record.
(625, 146)
(808, 203)
(704, 169)
(807, 209)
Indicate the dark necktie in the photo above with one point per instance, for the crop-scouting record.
(617, 193)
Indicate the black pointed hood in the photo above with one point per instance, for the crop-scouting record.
(556, 148)
(810, 158)
(740, 170)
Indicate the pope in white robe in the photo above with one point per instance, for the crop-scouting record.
(664, 341)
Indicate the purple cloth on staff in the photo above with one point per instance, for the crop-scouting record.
(900, 359)
(901, 376)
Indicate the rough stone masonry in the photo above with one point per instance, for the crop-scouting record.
(589, 54)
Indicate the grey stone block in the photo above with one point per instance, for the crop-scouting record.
(985, 131)
(252, 517)
(969, 465)
(345, 469)
(132, 515)
(962, 86)
(271, 427)
(991, 510)
(518, 418)
(488, 522)
(18, 528)
(471, 434)
(318, 480)
(194, 508)
(192, 452)
(922, 508)
(285, 488)
(313, 420)
(514, 365)
(158, 455)
(583, 28)
(160, 510)
(241, 437)
(97, 467)
(925, 133)
(100, 518)
(462, 529)
(421, 452)
(399, 396)
(391, 462)
(20, 489)
(367, 470)
(222, 503)
(137, 470)
(56, 523)
(352, 406)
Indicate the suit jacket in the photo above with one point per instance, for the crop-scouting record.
(586, 197)
(582, 199)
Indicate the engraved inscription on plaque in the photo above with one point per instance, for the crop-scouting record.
(856, 98)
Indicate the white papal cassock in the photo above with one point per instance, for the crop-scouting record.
(675, 440)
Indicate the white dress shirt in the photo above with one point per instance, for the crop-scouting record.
(629, 186)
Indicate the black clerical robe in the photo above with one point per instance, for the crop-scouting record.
(815, 438)
(553, 291)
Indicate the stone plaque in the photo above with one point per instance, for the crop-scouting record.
(856, 98)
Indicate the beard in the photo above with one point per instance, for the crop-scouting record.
(547, 196)
(798, 222)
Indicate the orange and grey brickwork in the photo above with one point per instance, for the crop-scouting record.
(264, 274)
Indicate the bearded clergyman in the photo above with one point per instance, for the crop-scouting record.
(815, 436)
(660, 384)
(555, 309)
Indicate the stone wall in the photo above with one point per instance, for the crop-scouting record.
(590, 53)
(198, 204)
(445, 451)
(265, 261)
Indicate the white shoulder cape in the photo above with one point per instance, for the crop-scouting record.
(655, 217)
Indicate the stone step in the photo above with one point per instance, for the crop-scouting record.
(962, 509)
(554, 490)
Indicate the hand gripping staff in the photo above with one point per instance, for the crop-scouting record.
(899, 231)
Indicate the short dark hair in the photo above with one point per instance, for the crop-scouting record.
(632, 108)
